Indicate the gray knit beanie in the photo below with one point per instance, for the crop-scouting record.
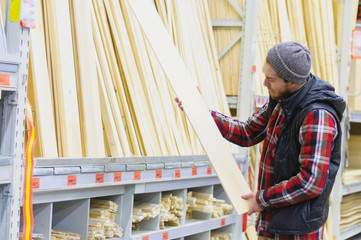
(291, 60)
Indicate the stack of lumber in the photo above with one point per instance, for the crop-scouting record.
(230, 62)
(354, 102)
(97, 88)
(144, 211)
(217, 235)
(102, 220)
(354, 151)
(206, 203)
(314, 23)
(63, 235)
(350, 211)
(300, 21)
(220, 208)
(170, 210)
(351, 175)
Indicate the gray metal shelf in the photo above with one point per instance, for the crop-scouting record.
(191, 227)
(153, 174)
(351, 188)
(9, 68)
(355, 117)
(5, 170)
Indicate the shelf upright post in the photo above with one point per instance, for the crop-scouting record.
(13, 123)
(245, 100)
(344, 70)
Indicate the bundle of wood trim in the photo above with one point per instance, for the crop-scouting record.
(354, 151)
(144, 211)
(205, 202)
(218, 235)
(350, 211)
(102, 220)
(354, 100)
(63, 235)
(170, 210)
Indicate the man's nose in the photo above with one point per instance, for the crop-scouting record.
(266, 83)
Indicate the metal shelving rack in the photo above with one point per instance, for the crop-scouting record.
(14, 67)
(62, 202)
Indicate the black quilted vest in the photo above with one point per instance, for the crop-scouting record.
(309, 215)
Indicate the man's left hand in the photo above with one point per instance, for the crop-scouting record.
(255, 207)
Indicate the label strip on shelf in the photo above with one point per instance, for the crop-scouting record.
(88, 179)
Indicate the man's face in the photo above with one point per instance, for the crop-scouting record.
(278, 88)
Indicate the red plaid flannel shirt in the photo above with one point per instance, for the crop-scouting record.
(316, 138)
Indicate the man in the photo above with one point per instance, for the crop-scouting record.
(300, 127)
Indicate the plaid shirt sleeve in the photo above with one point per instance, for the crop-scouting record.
(246, 133)
(316, 137)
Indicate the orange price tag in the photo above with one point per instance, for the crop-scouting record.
(158, 174)
(209, 170)
(177, 173)
(145, 238)
(223, 222)
(194, 171)
(99, 178)
(5, 80)
(165, 236)
(117, 177)
(137, 175)
(72, 180)
(36, 183)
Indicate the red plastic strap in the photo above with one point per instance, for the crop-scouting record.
(244, 227)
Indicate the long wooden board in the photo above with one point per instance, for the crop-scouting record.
(63, 76)
(87, 82)
(45, 124)
(184, 86)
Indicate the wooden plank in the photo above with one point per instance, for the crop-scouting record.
(354, 102)
(124, 104)
(215, 146)
(45, 122)
(354, 151)
(109, 100)
(110, 129)
(63, 74)
(229, 63)
(283, 20)
(87, 82)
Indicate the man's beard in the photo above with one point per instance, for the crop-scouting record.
(283, 95)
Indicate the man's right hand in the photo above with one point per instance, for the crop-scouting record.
(179, 103)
